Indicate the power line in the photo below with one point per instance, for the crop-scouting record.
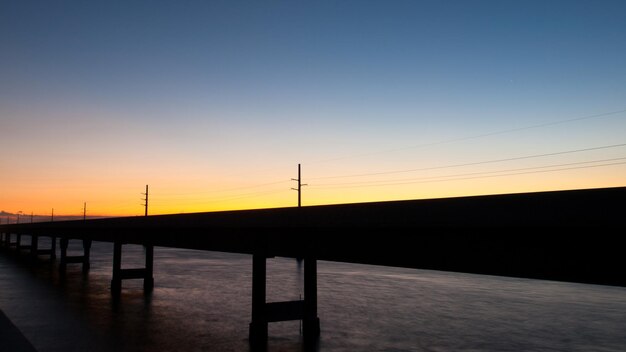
(474, 163)
(250, 195)
(488, 134)
(181, 196)
(223, 199)
(477, 175)
(227, 189)
(386, 182)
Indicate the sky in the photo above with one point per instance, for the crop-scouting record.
(214, 104)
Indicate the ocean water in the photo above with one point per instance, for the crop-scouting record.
(202, 302)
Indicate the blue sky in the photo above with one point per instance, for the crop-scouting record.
(197, 96)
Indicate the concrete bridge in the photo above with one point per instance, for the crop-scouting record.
(561, 235)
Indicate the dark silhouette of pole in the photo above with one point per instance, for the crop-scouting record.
(299, 189)
(85, 211)
(146, 200)
(145, 204)
(52, 216)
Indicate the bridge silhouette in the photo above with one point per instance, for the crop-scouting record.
(572, 235)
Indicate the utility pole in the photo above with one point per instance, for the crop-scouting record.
(145, 201)
(299, 189)
(85, 211)
(52, 217)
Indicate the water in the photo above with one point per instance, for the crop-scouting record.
(202, 302)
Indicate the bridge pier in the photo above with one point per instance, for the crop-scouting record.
(4, 240)
(35, 251)
(18, 242)
(8, 242)
(65, 259)
(264, 313)
(310, 321)
(120, 274)
(53, 247)
(34, 246)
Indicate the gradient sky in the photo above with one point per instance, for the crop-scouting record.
(214, 103)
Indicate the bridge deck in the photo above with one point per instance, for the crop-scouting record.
(563, 235)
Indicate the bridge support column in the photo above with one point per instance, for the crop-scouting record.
(86, 256)
(120, 274)
(8, 243)
(258, 325)
(34, 246)
(5, 239)
(310, 321)
(83, 259)
(18, 244)
(264, 313)
(53, 247)
(35, 251)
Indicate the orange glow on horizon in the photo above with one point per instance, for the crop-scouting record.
(126, 201)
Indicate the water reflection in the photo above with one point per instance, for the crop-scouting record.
(202, 302)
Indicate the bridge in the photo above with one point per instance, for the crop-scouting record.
(572, 235)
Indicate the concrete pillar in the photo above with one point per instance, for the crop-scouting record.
(12, 244)
(81, 259)
(36, 251)
(116, 280)
(264, 312)
(148, 281)
(310, 322)
(259, 324)
(86, 256)
(63, 262)
(34, 246)
(53, 247)
(120, 274)
(21, 247)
